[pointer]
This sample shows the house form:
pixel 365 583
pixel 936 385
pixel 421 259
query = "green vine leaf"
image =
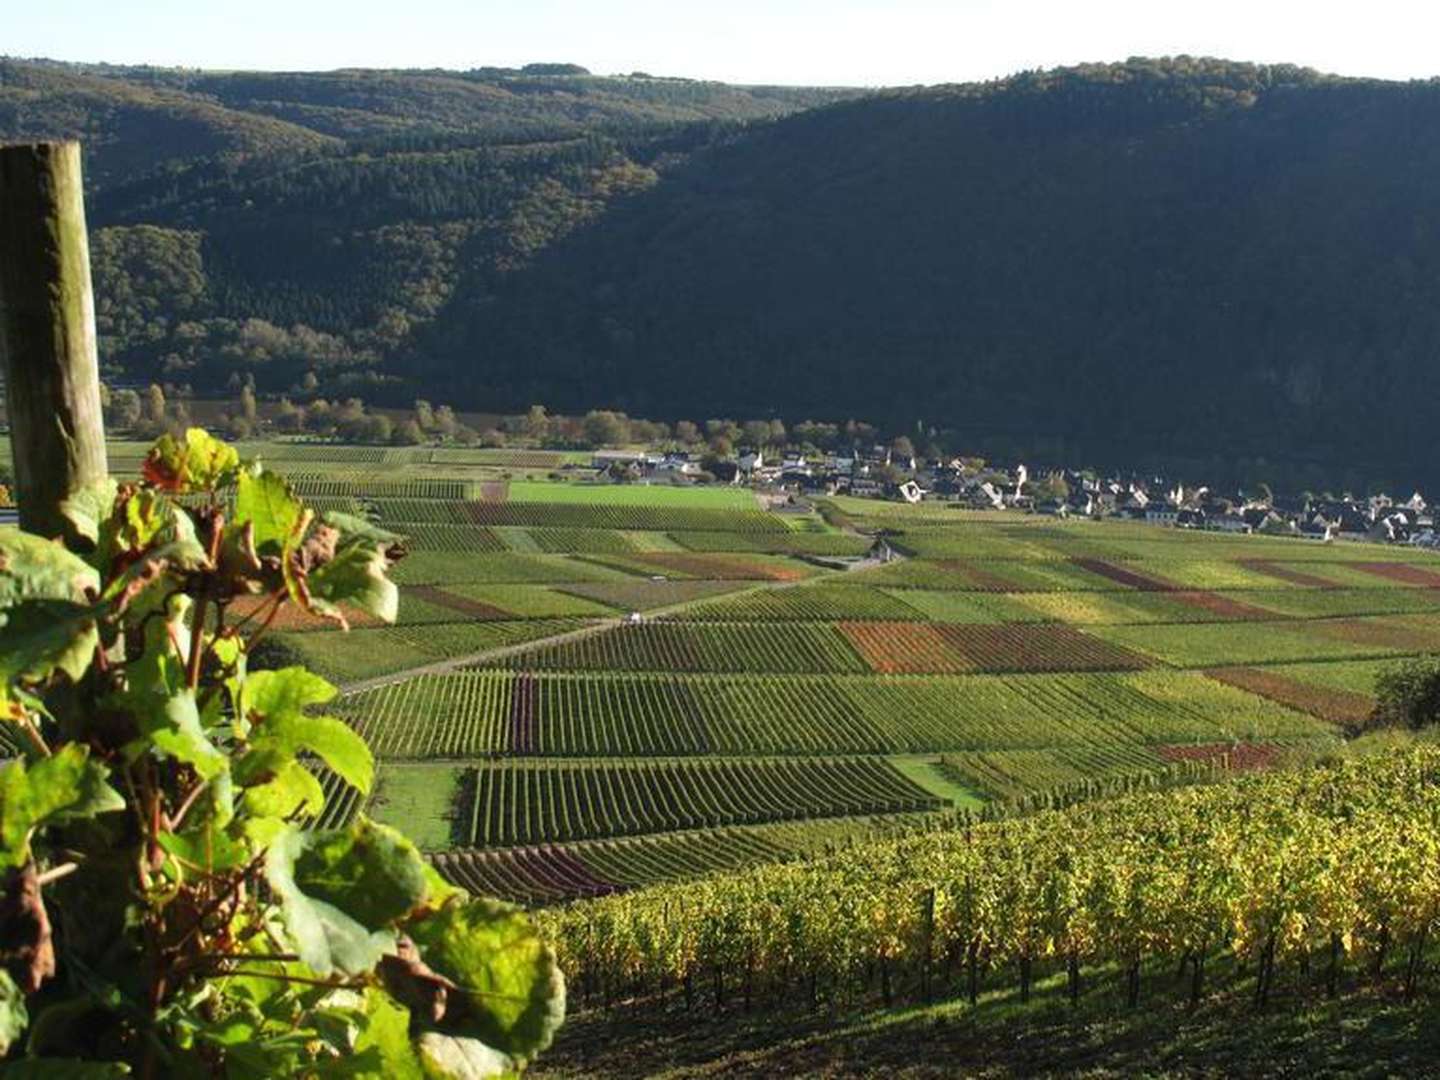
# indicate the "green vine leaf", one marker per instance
pixel 89 510
pixel 265 502
pixel 13 1016
pixel 273 704
pixel 511 992
pixel 452 1058
pixel 174 728
pixel 67 784
pixel 341 892
pixel 283 791
pixel 355 577
pixel 199 462
pixel 40 637
pixel 47 616
pixel 32 568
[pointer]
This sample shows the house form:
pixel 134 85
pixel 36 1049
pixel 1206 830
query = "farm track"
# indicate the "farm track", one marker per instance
pixel 485 656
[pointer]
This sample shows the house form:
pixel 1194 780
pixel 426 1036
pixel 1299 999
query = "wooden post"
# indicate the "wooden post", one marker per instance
pixel 47 331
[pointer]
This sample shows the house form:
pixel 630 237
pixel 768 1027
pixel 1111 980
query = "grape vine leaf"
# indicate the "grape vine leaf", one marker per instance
pixel 88 509
pixel 341 891
pixel 355 576
pixel 265 501
pixel 511 992
pixel 13 1017
pixel 273 704
pixel 462 1059
pixel 67 784
pixel 199 462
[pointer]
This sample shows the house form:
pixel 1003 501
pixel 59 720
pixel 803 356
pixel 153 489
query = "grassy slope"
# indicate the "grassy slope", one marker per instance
pixel 708 498
pixel 1368 1032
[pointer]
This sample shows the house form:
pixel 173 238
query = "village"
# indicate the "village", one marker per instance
pixel 880 472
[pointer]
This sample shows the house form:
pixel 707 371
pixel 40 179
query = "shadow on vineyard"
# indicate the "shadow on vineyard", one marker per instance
pixel 1369 1030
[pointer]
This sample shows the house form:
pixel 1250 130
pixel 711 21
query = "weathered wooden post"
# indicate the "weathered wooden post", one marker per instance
pixel 47 331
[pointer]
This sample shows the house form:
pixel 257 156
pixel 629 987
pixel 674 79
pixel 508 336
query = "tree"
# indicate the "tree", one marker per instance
pixel 606 428
pixel 721 446
pixel 154 405
pixel 446 425
pixel 248 408
pixel 1408 695
pixel 756 433
pixel 289 417
pixel 687 432
pixel 901 446
pixel 424 415
pixel 407 433
pixel 536 423
pixel 125 409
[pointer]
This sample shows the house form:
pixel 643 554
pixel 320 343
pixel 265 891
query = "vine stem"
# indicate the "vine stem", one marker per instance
pixel 33 734
pixel 55 873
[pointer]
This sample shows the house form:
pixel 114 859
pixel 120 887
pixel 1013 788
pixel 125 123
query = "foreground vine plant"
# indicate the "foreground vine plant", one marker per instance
pixel 165 910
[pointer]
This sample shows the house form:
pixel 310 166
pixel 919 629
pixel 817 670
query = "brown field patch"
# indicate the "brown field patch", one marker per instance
pixel 1377 633
pixel 1123 576
pixel 462 605
pixel 1403 573
pixel 981 579
pixel 720 566
pixel 1236 756
pixel 292 617
pixel 1223 606
pixel 905 648
pixel 1287 574
pixel 954 648
pixel 1344 707
pixel 495 490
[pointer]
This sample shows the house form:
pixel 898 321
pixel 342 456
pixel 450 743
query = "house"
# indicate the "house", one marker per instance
pixel 1054 507
pixel 1161 513
pixel 603 459
pixel 1393 528
pixel 726 472
pixel 866 486
pixel 1187 518
pixel 881 551
pixel 1318 529
pixel 984 496
pixel 910 491
pixel 1230 523
pixel 750 460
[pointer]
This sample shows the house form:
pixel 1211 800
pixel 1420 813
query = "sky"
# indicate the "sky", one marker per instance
pixel 814 42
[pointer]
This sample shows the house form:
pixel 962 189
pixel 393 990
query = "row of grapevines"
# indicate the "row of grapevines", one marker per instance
pixel 529 803
pixel 1338 860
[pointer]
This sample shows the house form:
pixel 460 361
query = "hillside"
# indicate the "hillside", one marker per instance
pixel 1200 257
pixel 1206 260
pixel 278 223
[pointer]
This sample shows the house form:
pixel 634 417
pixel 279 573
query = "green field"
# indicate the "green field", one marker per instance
pixel 705 498
pixel 1002 661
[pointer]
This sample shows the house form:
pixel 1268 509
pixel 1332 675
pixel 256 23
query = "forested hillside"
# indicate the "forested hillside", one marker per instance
pixel 283 224
pixel 1202 257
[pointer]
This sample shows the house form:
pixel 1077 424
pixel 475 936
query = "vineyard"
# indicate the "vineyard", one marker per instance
pixel 471 713
pixel 775 705
pixel 1314 875
pixel 516 803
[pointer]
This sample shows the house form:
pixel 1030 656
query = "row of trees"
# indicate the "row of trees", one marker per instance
pixel 605 427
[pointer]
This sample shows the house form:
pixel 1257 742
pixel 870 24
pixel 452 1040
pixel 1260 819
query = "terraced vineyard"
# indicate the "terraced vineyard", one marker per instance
pixel 526 803
pixel 547 745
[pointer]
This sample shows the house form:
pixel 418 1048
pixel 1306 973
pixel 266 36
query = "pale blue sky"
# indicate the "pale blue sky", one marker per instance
pixel 851 42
